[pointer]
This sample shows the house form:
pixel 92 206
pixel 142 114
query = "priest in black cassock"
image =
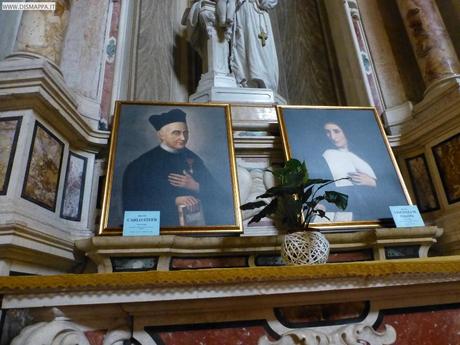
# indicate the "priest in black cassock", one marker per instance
pixel 170 176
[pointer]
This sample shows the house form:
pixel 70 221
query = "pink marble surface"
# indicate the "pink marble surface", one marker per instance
pixel 318 313
pixel 223 336
pixel 95 337
pixel 194 263
pixel 358 255
pixel 431 42
pixel 441 327
pixel 110 66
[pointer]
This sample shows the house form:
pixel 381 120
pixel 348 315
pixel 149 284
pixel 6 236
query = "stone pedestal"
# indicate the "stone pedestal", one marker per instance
pixel 218 84
pixel 236 95
pixel 435 120
pixel 36 232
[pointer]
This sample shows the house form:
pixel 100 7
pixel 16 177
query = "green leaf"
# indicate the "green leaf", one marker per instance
pixel 316 181
pixel 295 196
pixel 321 213
pixel 339 199
pixel 307 193
pixel 305 172
pixel 279 191
pixel 318 199
pixel 252 205
pixel 293 173
pixel 270 209
pixel 290 211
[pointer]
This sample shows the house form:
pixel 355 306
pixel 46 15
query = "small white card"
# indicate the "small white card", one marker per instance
pixel 406 216
pixel 141 223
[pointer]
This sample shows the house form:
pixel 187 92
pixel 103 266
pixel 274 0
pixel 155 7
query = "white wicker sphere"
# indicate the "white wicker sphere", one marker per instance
pixel 305 248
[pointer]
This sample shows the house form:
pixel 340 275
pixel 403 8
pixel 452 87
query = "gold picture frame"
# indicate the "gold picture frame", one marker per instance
pixel 137 181
pixel 375 180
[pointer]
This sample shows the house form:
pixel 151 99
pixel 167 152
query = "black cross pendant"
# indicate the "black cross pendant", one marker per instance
pixel 263 37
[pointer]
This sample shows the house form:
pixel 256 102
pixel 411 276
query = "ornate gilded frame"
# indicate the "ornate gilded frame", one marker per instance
pixel 106 228
pixel 308 136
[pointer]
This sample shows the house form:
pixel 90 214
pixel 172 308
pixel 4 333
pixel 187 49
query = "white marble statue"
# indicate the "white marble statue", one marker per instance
pixel 253 58
pixel 245 24
pixel 252 183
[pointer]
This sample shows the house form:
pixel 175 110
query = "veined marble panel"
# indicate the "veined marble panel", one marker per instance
pixel 424 325
pixel 450 12
pixel 410 75
pixel 83 47
pixel 305 74
pixel 159 52
pixel 10 24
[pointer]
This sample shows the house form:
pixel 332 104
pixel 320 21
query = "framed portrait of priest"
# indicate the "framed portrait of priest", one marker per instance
pixel 175 158
pixel 347 144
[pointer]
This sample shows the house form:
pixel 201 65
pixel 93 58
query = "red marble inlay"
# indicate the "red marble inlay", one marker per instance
pixel 223 336
pixel 109 67
pixel 216 262
pixel 320 313
pixel 96 337
pixel 440 327
pixel 359 255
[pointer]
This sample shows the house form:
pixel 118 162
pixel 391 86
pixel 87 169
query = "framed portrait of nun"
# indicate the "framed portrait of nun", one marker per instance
pixel 346 144
pixel 175 158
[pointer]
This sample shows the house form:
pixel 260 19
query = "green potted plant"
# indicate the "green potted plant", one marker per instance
pixel 294 203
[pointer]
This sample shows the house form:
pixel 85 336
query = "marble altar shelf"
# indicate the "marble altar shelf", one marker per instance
pixel 127 287
pixel 369 244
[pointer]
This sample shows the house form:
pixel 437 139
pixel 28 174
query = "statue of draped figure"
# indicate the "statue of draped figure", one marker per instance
pixel 250 52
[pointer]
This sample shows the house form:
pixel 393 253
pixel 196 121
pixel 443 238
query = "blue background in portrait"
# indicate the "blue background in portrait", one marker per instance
pixel 307 140
pixel 208 139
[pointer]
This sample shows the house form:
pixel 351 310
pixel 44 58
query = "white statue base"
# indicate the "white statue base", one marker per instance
pixel 211 41
pixel 236 95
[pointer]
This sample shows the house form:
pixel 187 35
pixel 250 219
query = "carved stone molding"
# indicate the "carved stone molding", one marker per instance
pixel 58 332
pixel 116 337
pixel 101 249
pixel 349 335
pixel 31 82
pixel 62 331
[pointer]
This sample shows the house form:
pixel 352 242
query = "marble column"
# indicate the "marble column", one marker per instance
pixel 430 41
pixel 397 108
pixel 42 32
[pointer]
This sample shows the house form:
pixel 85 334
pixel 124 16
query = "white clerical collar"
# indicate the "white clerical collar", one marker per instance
pixel 169 149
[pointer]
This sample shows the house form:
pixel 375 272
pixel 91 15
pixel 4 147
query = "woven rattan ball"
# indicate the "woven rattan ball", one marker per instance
pixel 304 248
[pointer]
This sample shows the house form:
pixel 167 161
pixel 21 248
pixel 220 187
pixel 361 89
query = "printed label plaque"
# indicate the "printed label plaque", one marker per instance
pixel 141 223
pixel 406 216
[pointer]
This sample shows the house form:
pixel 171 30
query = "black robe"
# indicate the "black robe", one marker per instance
pixel 367 203
pixel 146 187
